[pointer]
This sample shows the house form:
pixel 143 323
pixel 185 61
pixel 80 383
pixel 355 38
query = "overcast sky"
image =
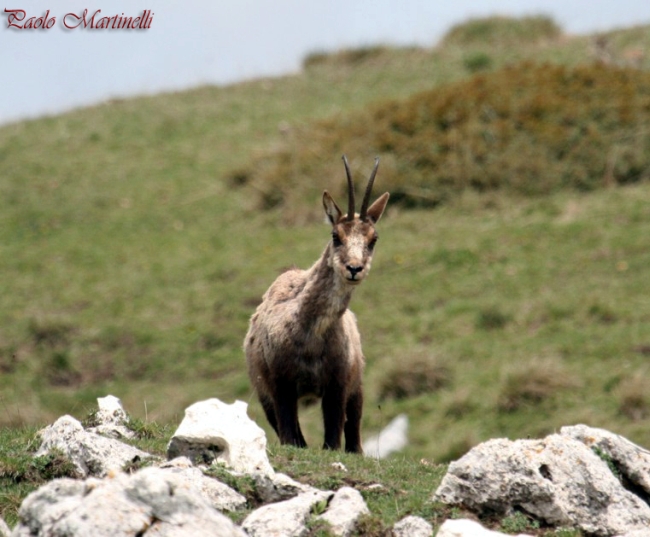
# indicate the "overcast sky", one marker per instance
pixel 194 42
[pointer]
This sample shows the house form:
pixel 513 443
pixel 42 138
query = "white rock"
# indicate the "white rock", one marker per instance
pixel 4 529
pixel 278 487
pixel 339 466
pixel 110 410
pixel 219 495
pixel 152 500
pixel 343 511
pixel 213 431
pixel 468 528
pixel 412 526
pixel 284 519
pixel 392 438
pixel 631 460
pixel 558 480
pixel 111 418
pixel 91 454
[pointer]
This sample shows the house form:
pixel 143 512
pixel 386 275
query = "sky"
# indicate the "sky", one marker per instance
pixel 195 42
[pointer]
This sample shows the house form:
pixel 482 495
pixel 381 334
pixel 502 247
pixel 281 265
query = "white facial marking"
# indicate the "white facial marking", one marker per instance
pixel 356 250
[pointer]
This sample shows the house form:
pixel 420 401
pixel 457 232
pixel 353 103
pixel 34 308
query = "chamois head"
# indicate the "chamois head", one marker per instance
pixel 354 235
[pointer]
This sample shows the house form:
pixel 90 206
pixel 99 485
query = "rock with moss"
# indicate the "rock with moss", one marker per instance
pixel 110 419
pixel 151 501
pixel 92 454
pixel 632 462
pixel 557 480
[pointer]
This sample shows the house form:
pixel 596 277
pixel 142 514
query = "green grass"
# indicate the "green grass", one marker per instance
pixel 130 265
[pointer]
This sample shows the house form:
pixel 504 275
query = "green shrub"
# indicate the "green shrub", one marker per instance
pixel 349 57
pixel 491 318
pixel 519 522
pixel 477 61
pixel 529 129
pixel 499 30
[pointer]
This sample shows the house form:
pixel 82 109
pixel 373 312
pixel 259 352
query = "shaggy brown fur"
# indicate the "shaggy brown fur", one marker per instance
pixel 303 340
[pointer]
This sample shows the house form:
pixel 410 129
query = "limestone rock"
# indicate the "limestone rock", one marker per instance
pixel 215 431
pixel 468 528
pixel 4 529
pixel 284 519
pixel 152 500
pixel 391 439
pixel 278 487
pixel 631 460
pixel 412 526
pixel 219 495
pixel 91 454
pixel 111 419
pixel 558 480
pixel 343 511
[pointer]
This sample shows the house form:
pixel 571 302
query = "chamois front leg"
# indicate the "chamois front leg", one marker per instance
pixel 269 410
pixel 353 411
pixel 286 412
pixel 333 406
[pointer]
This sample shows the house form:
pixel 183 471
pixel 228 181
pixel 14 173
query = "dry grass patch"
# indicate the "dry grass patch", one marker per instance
pixel 634 397
pixel 416 374
pixel 533 382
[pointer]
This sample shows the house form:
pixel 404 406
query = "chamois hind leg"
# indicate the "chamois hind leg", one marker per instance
pixel 333 415
pixel 286 411
pixel 353 411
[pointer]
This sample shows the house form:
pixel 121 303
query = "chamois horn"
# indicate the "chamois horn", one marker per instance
pixel 366 197
pixel 350 190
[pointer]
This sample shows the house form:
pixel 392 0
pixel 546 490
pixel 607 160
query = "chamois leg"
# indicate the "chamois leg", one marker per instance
pixel 333 416
pixel 269 410
pixel 286 411
pixel 353 411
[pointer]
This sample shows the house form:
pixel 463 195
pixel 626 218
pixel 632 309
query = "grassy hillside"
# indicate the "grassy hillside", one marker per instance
pixel 131 262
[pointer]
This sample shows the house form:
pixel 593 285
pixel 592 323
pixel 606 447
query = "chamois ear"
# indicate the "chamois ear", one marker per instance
pixel 377 208
pixel 331 208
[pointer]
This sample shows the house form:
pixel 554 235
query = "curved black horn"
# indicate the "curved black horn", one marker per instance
pixel 350 190
pixel 366 196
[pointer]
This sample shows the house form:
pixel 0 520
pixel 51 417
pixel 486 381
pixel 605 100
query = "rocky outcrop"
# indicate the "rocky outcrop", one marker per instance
pixel 559 480
pixel 176 497
pixel 585 478
pixel 150 502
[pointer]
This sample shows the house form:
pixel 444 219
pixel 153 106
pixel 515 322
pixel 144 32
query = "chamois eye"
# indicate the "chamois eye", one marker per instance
pixel 372 243
pixel 336 240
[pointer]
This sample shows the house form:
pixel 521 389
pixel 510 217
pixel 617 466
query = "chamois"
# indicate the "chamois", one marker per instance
pixel 303 341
